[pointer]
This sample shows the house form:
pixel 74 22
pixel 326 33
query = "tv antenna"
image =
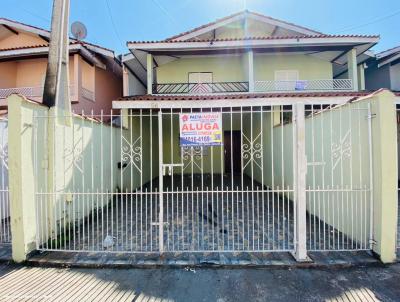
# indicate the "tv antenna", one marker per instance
pixel 78 30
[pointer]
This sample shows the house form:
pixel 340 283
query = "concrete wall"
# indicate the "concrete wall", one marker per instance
pixel 338 157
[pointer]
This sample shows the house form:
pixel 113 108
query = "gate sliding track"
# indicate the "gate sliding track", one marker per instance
pixel 132 187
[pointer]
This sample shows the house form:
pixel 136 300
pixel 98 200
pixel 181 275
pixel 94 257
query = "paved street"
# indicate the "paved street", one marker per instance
pixel 51 284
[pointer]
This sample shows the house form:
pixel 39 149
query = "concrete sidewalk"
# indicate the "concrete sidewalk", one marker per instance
pixel 19 283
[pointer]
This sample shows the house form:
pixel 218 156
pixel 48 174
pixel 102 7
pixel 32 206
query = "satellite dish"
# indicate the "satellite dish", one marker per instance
pixel 78 30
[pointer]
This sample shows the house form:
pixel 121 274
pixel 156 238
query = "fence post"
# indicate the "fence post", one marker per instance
pixel 300 169
pixel 22 176
pixel 384 169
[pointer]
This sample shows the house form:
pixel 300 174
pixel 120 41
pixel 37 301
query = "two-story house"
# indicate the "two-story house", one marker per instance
pixel 247 52
pixel 211 115
pixel 95 73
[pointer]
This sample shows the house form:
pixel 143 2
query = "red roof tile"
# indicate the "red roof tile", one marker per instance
pixel 227 96
pixel 23 47
pixel 73 40
pixel 258 38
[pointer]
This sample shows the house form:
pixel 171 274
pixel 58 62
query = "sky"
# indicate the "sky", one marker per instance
pixel 111 23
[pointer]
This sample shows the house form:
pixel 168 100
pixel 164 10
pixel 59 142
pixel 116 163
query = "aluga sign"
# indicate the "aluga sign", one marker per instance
pixel 200 129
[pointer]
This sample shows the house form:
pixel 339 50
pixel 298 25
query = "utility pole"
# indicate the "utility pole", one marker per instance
pixel 56 87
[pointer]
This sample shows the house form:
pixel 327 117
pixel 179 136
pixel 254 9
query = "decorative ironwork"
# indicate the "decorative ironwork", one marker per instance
pixel 201 88
pixel 251 150
pixel 304 85
pixel 341 150
pixel 131 154
pixel 4 155
pixel 192 155
pixel 77 155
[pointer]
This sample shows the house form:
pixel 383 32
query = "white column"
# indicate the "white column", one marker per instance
pixel 352 67
pixel 125 81
pixel 250 69
pixel 361 77
pixel 300 165
pixel 149 73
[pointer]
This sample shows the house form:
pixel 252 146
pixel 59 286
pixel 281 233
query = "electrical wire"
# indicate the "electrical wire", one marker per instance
pixel 376 20
pixel 113 23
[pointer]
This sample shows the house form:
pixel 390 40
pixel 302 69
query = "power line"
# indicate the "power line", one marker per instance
pixel 165 11
pixel 113 24
pixel 376 20
pixel 30 12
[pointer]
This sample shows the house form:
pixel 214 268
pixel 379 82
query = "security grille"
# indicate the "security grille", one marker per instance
pixel 129 184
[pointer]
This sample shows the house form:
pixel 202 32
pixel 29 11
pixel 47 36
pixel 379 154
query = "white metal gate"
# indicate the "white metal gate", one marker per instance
pixel 125 184
pixel 5 228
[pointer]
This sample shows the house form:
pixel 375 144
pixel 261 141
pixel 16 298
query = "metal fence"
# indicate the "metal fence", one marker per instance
pixel 398 182
pixel 128 185
pixel 5 229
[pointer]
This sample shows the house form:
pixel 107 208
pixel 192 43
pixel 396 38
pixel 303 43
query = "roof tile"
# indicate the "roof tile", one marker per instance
pixel 258 38
pixel 206 97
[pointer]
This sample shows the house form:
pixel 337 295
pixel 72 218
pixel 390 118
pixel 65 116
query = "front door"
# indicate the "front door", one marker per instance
pixel 232 151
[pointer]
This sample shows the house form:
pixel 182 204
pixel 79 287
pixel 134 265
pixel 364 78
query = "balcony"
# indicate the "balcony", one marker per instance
pixel 304 85
pixel 201 88
pixel 259 86
pixel 37 92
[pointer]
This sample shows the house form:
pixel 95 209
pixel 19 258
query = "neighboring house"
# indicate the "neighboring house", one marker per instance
pixel 247 52
pixel 95 73
pixel 383 70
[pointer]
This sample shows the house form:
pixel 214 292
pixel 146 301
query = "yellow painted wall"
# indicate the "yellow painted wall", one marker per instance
pixel 309 67
pixel 223 68
pixel 331 170
pixel 234 68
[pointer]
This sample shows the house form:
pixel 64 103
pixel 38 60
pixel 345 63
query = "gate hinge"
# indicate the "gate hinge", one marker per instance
pixel 371 116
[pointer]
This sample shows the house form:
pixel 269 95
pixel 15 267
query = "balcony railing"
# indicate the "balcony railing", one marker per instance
pixel 201 88
pixel 304 85
pixel 37 92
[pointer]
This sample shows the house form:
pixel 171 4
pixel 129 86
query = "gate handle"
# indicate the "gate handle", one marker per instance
pixel 170 167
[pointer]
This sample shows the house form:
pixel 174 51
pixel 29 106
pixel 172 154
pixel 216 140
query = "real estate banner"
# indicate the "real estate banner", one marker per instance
pixel 200 129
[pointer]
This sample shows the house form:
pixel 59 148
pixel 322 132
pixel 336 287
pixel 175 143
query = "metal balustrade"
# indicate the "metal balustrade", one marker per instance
pixel 200 88
pixel 259 86
pixel 37 92
pixel 304 85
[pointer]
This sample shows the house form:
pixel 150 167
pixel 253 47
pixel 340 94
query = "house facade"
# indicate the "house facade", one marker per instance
pixel 245 135
pixel 248 52
pixel 94 72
